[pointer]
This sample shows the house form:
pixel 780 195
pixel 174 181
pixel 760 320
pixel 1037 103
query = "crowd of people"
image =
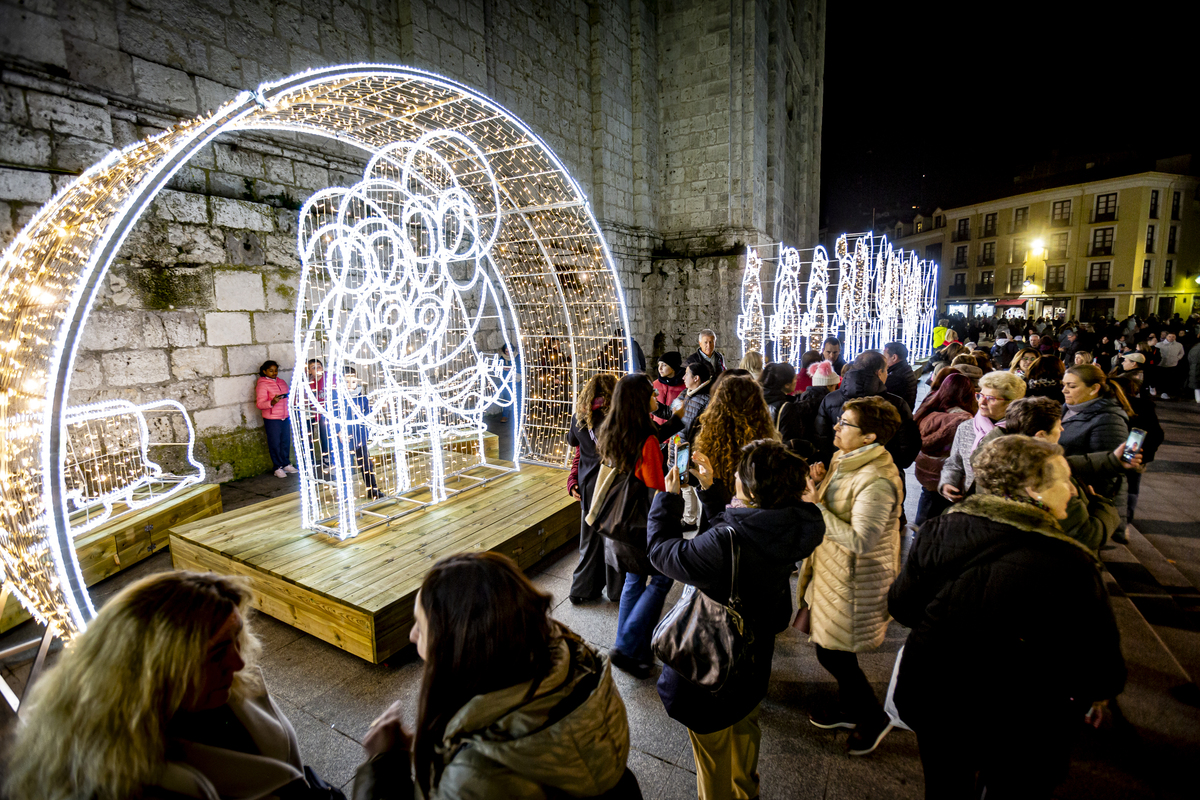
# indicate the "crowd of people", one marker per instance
pixel 732 481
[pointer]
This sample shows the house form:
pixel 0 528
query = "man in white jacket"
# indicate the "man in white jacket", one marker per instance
pixel 1172 357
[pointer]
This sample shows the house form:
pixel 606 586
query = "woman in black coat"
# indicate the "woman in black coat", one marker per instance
pixel 1012 640
pixel 591 574
pixel 773 529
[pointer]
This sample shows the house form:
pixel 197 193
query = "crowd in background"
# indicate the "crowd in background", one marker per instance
pixel 776 495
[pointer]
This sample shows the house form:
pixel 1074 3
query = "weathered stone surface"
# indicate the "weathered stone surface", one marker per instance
pixel 285 354
pixel 69 117
pixel 197 362
pixel 271 327
pixel 24 186
pixel 239 291
pixel 21 145
pixel 244 249
pixel 181 207
pixel 170 87
pixel 240 215
pixel 234 391
pixel 245 359
pixel 32 36
pixel 222 418
pixel 183 328
pixel 108 330
pixel 227 327
pixel 135 367
pixel 100 66
pixel 87 374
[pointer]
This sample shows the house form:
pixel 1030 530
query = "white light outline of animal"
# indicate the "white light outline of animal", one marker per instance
pixel 359 242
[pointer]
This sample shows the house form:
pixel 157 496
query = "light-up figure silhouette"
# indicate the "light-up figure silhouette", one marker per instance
pixel 751 325
pixel 398 286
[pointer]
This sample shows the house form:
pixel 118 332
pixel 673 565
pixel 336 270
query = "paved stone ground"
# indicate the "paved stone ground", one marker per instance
pixel 331 697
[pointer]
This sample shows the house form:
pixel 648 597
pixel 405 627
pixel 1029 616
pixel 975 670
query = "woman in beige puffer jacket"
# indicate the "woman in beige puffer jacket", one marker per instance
pixel 845 581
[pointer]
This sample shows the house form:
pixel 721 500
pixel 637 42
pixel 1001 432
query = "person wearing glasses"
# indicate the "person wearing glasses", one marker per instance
pixel 845 582
pixel 996 391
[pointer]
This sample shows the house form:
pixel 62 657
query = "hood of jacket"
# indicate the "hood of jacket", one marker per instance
pixel 1021 516
pixel 761 526
pixel 861 383
pixel 572 734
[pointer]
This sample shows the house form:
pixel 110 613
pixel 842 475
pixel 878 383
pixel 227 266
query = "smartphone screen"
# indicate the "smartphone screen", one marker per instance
pixel 683 458
pixel 1133 445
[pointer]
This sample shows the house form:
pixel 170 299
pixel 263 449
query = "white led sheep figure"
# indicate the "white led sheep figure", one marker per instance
pixel 397 283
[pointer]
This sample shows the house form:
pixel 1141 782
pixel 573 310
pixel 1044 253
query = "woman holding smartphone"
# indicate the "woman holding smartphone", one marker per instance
pixel 270 395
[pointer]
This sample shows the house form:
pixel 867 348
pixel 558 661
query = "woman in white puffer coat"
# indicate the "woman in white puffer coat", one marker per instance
pixel 845 582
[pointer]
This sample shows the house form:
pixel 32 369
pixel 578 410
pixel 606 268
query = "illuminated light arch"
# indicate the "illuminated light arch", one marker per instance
pixel 556 273
pixel 814 325
pixel 751 324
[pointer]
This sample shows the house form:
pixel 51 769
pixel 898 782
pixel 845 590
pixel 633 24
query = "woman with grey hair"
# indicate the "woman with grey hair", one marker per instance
pixel 1008 614
pixel 996 391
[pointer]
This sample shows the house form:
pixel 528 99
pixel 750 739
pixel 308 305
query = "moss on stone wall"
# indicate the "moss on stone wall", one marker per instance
pixel 161 287
pixel 245 451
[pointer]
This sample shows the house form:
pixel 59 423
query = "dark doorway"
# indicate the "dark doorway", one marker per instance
pixel 1141 307
pixel 1096 309
pixel 1166 307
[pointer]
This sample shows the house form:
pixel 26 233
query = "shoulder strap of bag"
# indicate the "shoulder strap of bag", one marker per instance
pixel 735 599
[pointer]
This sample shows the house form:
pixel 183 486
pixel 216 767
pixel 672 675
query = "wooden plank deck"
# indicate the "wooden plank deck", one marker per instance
pixel 122 542
pixel 358 594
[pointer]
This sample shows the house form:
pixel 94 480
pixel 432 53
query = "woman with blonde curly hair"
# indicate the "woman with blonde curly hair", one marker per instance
pixel 160 696
pixel 590 409
pixel 736 415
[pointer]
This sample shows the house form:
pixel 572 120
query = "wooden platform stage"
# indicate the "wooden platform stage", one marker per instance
pixel 122 542
pixel 358 594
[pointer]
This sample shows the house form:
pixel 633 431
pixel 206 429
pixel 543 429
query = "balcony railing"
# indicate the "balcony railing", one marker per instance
pixel 957 290
pixel 1019 227
pixel 1059 253
pixel 1017 256
pixel 1061 222
pixel 1149 248
pixel 1100 250
pixel 986 260
pixel 960 236
pixel 1054 287
pixel 1098 284
pixel 987 232
pixel 960 263
pixel 1103 216
pixel 985 288
pixel 1153 212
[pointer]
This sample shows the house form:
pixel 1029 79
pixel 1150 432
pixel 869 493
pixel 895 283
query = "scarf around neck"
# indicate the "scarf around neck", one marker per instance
pixel 983 426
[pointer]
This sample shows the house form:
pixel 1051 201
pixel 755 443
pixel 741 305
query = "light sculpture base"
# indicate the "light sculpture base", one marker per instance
pixel 357 594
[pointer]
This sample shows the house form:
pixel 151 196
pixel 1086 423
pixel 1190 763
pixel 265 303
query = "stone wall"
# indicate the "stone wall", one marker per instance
pixel 693 127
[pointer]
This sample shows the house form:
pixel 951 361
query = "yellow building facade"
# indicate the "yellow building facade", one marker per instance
pixel 1114 247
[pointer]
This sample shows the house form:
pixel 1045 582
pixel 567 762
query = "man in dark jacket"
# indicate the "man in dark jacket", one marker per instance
pixel 707 353
pixel 901 380
pixel 831 351
pixel 866 379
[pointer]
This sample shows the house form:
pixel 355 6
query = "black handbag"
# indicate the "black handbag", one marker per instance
pixel 624 511
pixel 706 642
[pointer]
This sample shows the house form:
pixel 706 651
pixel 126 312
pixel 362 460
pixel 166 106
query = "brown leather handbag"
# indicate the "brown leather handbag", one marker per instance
pixel 707 642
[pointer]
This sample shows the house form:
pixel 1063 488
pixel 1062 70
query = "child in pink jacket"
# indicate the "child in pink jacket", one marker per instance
pixel 271 397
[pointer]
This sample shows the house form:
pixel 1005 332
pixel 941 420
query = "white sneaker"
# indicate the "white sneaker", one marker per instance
pixel 1164 396
pixel 290 470
pixel 279 473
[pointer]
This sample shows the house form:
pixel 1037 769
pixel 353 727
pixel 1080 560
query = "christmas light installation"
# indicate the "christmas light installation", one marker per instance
pixel 110 471
pixel 814 325
pixel 786 322
pixel 856 257
pixel 554 269
pixel 751 324
pixel 397 285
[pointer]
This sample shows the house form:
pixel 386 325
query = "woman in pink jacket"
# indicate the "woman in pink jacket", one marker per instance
pixel 270 395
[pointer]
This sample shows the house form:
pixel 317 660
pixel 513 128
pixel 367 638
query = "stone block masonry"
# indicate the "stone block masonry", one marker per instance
pixel 693 128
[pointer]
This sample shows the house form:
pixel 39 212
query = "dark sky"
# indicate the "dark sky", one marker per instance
pixel 940 103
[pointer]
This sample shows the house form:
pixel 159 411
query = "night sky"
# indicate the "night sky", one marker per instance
pixel 940 103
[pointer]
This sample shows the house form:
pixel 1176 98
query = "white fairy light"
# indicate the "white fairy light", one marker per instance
pixel 396 281
pixel 554 271
pixel 751 325
pixel 786 330
pixel 109 461
pixel 814 325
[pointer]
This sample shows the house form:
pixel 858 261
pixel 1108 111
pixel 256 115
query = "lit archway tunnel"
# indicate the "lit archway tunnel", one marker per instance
pixel 558 277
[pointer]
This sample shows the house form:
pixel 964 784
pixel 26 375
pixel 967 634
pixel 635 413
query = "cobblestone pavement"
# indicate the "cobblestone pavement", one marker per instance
pixel 332 697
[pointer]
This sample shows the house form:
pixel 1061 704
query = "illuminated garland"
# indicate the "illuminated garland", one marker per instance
pixel 787 320
pixel 555 274
pixel 751 325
